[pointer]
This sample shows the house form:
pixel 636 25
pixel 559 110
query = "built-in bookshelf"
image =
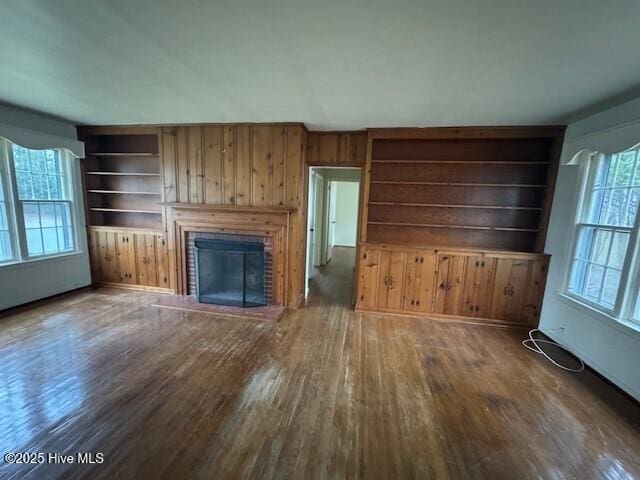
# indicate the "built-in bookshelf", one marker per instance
pixel 123 179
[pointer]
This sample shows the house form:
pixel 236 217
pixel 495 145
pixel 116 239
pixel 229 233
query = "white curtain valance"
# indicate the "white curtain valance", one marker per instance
pixel 612 140
pixel 40 141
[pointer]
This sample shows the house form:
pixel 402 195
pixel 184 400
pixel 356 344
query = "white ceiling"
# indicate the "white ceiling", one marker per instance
pixel 333 64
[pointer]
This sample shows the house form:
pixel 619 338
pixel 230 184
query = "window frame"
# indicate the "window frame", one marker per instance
pixel 628 293
pixel 15 212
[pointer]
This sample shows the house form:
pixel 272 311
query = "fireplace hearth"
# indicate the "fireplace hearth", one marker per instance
pixel 230 272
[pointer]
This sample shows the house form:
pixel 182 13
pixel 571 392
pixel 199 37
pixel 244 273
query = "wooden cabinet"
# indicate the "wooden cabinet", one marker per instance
pixel 124 257
pixel 419 281
pixel 495 286
pixel 449 282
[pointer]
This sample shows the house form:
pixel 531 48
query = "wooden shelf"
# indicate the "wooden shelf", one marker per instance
pixel 465 227
pixel 441 205
pixel 122 154
pixel 472 162
pixel 123 192
pixel 456 184
pixel 123 174
pixel 124 210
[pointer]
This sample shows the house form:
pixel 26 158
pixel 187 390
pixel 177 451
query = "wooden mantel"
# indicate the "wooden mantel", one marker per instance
pixel 229 208
pixel 273 222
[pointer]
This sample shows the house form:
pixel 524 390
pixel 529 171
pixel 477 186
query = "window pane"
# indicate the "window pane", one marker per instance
pixel 632 206
pixel 53 165
pixel 578 273
pixel 5 246
pixel 637 315
pixel 34 241
pixel 50 238
pixel 31 215
pixel 601 246
pixel 636 177
pixel 618 249
pixel 585 239
pixel 595 276
pixel 624 170
pixel 65 238
pixel 25 187
pixel 610 287
pixel 63 214
pixel 55 192
pixel 21 158
pixel 616 211
pixel 47 215
pixel 611 174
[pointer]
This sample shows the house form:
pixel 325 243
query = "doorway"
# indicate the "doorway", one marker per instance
pixel 333 202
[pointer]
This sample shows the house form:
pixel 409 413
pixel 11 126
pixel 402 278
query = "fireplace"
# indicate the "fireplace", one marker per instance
pixel 230 272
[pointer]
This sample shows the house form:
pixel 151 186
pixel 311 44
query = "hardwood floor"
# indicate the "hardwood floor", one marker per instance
pixel 322 393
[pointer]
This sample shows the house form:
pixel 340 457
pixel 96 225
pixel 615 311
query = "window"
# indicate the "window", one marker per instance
pixel 36 204
pixel 607 232
pixel 40 180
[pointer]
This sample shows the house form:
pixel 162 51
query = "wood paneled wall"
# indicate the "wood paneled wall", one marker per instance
pixel 242 165
pixel 337 148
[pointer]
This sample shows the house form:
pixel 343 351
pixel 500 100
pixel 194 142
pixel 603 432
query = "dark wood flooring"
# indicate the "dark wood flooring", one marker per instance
pixel 322 393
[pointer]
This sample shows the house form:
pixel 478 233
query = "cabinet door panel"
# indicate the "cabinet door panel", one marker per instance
pixel 518 285
pixel 383 279
pixel 126 258
pixel 476 298
pixel 368 281
pixel 499 298
pixel 442 277
pixel 396 280
pixel 94 256
pixel 535 292
pixel 419 282
pixel 109 257
pixel 454 293
pixel 449 284
pixel 162 261
pixel 145 254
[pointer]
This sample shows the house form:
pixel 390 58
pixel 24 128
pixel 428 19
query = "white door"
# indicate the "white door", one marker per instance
pixel 332 219
pixel 310 223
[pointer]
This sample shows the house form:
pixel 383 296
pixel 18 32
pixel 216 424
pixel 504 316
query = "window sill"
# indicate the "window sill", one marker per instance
pixel 623 326
pixel 38 261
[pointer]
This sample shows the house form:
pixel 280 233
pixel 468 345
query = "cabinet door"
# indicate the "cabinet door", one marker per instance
pixel 476 297
pixel 419 282
pixel 126 258
pixel 390 279
pixel 162 261
pixel 396 271
pixel 449 284
pixel 535 292
pixel 368 278
pixel 509 289
pixel 94 256
pixel 109 268
pixel 145 255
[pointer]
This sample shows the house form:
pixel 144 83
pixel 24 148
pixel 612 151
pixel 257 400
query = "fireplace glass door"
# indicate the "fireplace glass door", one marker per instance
pixel 230 272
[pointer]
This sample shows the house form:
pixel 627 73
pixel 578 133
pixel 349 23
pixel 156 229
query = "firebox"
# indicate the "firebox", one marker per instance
pixel 230 272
